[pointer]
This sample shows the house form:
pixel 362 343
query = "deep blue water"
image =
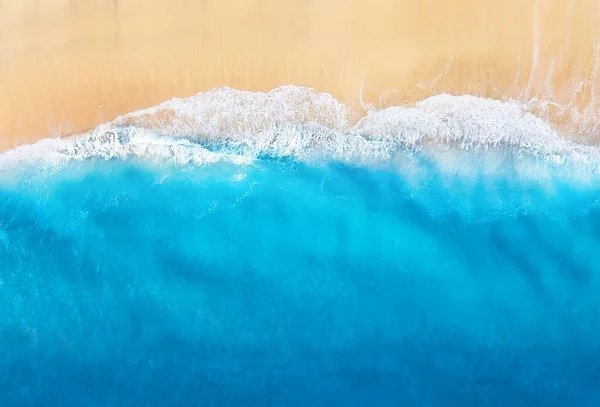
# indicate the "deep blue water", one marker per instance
pixel 125 283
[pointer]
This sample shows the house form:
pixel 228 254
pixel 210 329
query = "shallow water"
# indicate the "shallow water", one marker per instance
pixel 282 282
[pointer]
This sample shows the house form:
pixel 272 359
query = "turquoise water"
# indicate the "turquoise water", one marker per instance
pixel 132 282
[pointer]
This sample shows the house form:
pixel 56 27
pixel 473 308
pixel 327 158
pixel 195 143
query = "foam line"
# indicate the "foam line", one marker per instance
pixel 238 126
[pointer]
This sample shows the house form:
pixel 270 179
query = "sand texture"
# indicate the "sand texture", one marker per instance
pixel 68 65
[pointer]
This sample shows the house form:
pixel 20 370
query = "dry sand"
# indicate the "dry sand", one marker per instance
pixel 68 65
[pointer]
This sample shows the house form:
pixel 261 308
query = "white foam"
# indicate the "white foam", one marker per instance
pixel 237 126
pixel 50 155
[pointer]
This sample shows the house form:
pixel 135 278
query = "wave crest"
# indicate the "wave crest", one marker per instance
pixel 238 126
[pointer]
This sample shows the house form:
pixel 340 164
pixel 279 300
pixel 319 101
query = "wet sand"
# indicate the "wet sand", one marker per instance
pixel 68 65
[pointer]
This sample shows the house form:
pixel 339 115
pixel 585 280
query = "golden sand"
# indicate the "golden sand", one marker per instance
pixel 68 65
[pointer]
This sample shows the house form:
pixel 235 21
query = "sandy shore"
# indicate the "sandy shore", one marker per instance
pixel 68 65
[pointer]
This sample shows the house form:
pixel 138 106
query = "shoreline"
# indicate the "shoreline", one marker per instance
pixel 67 66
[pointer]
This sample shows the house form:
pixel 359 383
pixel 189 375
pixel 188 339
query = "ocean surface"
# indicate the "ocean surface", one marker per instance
pixel 245 249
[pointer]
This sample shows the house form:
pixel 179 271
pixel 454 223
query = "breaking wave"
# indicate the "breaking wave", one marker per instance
pixel 238 126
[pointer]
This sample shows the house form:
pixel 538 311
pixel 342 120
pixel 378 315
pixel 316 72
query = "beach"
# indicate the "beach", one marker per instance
pixel 68 65
pixel 299 203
